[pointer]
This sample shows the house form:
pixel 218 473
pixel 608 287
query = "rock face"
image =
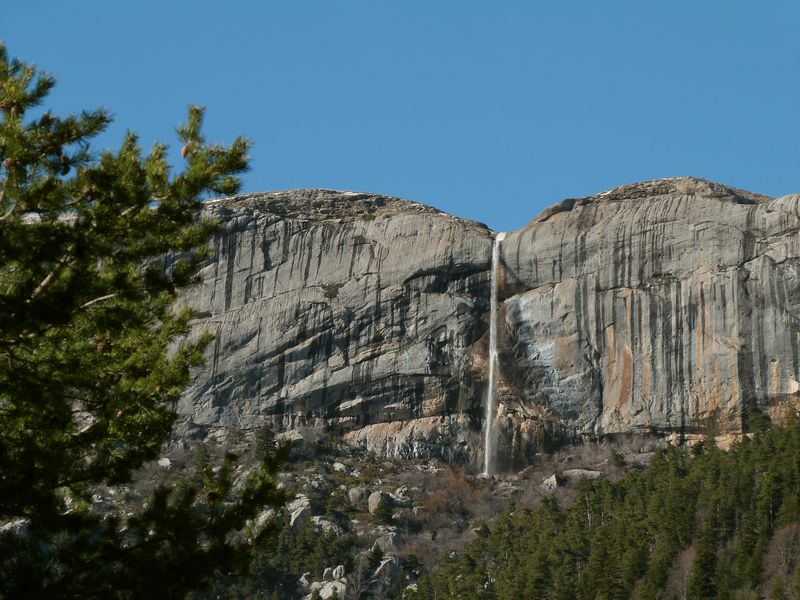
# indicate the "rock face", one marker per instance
pixel 667 305
pixel 670 306
pixel 347 309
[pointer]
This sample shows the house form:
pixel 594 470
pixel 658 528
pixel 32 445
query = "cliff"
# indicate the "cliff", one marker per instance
pixel 351 309
pixel 666 306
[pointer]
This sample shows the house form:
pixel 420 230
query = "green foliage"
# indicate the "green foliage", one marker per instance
pixel 383 512
pixel 411 564
pixel 755 420
pixel 93 250
pixel 288 553
pixel 778 593
pixel 617 459
pixel 623 539
pixel 374 558
pixel 704 577
pixel 265 443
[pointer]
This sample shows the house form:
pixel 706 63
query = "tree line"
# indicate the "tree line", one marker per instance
pixel 697 523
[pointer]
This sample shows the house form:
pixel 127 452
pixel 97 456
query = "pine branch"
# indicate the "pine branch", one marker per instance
pixel 96 300
pixel 11 205
pixel 48 281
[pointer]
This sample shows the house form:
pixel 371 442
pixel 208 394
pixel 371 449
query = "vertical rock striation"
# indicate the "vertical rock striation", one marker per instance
pixel 356 310
pixel 670 305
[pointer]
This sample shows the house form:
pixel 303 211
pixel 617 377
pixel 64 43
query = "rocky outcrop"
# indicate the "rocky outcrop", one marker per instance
pixel 668 306
pixel 348 309
pixel 671 305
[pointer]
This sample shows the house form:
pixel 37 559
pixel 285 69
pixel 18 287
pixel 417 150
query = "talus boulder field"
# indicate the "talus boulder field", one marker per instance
pixel 665 306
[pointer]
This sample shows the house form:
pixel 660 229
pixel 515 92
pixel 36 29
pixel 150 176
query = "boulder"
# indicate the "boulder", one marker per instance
pixel 388 569
pixel 327 588
pixel 374 500
pixel 18 527
pixel 355 495
pixel 389 542
pixel 325 525
pixel 299 509
pixel 641 458
pixel 293 436
pixel 400 501
pixel 550 483
pixel 262 520
pixel 578 474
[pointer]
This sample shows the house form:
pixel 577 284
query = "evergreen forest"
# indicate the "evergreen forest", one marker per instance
pixel 697 523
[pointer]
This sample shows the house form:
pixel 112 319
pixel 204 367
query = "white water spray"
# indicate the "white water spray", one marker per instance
pixel 487 444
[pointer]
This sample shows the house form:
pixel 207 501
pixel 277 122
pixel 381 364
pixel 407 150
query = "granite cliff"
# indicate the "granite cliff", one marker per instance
pixel 666 306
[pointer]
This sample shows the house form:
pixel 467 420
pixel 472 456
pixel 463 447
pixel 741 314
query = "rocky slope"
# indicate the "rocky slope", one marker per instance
pixel 670 305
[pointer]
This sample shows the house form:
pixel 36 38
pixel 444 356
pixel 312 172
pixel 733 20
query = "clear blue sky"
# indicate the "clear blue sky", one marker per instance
pixel 488 110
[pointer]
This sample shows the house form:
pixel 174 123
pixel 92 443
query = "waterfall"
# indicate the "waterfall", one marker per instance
pixel 487 452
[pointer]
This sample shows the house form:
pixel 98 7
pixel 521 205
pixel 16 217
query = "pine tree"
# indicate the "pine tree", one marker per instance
pixel 703 584
pixel 778 593
pixel 93 250
pixel 383 512
pixel 374 558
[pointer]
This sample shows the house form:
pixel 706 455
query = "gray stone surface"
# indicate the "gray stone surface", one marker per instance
pixel 355 495
pixel 345 308
pixel 400 500
pixel 388 542
pixel 578 474
pixel 326 526
pixel 666 306
pixel 262 520
pixel 374 501
pixel 18 527
pixel 670 305
pixel 387 570
pixel 642 458
pixel 550 483
pixel 326 589
pixel 299 509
